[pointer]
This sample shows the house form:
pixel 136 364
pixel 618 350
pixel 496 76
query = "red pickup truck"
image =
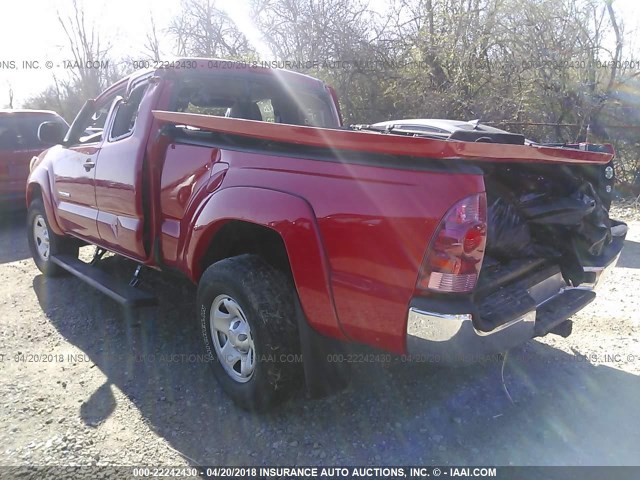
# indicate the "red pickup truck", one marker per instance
pixel 442 242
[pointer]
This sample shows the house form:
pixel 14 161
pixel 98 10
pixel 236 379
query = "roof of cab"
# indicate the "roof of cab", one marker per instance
pixel 180 67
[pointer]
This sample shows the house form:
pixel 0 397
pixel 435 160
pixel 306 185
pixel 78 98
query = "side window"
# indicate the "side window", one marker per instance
pixel 127 113
pixel 90 122
pixel 253 98
pixel 92 131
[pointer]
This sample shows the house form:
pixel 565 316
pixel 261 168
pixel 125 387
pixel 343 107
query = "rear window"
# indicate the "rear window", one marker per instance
pixel 254 98
pixel 20 131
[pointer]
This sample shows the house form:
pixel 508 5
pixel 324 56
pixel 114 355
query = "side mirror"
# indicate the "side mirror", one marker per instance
pixel 51 133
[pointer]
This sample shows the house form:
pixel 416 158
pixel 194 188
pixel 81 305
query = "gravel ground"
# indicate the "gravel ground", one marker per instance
pixel 81 384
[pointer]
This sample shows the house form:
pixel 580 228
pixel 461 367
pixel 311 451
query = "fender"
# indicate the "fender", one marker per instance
pixel 39 176
pixel 294 220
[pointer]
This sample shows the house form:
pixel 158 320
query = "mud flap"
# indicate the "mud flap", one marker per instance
pixel 322 377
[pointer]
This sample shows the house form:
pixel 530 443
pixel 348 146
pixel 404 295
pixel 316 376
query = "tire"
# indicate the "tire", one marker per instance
pixel 261 341
pixel 38 231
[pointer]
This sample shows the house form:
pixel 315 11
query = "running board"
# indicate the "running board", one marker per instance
pixel 122 293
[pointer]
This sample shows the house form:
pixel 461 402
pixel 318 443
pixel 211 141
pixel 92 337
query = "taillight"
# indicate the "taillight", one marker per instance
pixel 453 261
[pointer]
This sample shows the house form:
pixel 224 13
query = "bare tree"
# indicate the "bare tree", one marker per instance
pixel 203 29
pixel 88 51
pixel 313 29
pixel 340 41
pixel 89 66
pixel 613 72
pixel 61 97
pixel 548 68
pixel 152 45
pixel 10 88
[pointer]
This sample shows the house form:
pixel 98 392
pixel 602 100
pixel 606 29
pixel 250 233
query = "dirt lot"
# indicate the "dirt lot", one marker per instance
pixel 125 391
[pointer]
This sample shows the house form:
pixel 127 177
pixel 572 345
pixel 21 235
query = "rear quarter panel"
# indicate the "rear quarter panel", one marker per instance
pixel 373 226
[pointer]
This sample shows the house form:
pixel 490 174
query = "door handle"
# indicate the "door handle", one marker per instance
pixel 89 164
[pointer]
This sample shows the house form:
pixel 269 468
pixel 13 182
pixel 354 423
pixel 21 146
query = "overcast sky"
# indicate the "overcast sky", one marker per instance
pixel 30 31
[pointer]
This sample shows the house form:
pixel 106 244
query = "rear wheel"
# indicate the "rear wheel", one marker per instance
pixel 43 243
pixel 249 329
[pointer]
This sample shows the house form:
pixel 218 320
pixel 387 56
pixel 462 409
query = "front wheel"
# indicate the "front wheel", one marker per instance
pixel 248 324
pixel 43 243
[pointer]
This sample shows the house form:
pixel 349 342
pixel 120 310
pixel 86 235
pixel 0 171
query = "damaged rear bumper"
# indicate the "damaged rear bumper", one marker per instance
pixel 444 331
